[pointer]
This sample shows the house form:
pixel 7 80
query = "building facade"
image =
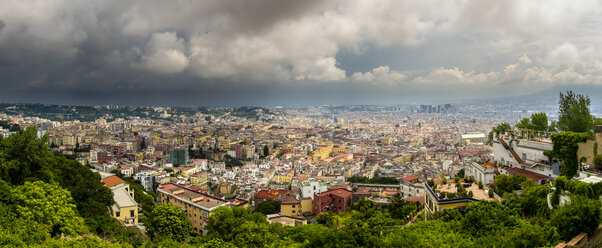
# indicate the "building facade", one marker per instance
pixel 195 204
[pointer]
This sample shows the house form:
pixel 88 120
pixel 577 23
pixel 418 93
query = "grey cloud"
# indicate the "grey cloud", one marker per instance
pixel 269 51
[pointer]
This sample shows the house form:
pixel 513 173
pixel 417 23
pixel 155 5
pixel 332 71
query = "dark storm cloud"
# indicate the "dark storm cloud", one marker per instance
pixel 273 52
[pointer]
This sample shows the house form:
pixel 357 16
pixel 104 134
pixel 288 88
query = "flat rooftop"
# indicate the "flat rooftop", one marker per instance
pixel 479 194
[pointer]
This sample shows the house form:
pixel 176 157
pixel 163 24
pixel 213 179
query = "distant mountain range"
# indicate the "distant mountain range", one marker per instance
pixel 551 95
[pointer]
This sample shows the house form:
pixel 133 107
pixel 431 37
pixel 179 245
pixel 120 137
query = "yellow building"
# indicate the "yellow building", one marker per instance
pixel 125 208
pixel 69 140
pixel 338 150
pixel 225 188
pixel 587 149
pixel 322 153
pixel 286 178
pixel 186 171
pixel 307 205
pixel 140 156
pixel 387 140
pixel 199 179
pixel 403 158
pixel 290 207
pixel 434 202
pixel 197 205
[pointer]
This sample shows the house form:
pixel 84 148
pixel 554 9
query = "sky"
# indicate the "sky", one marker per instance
pixel 279 52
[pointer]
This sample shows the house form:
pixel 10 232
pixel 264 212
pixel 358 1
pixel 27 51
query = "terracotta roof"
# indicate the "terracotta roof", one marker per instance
pixel 536 177
pixel 271 194
pixel 290 200
pixel 419 199
pixel 362 191
pixel 340 192
pixel 112 181
pixel 410 178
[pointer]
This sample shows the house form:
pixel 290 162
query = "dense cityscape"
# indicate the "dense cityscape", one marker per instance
pixel 294 166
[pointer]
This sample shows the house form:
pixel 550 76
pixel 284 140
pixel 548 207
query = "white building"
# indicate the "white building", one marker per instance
pixel 484 173
pixel 411 189
pixel 312 186
pixel 526 157
pixel 126 170
pixel 147 179
pixel 474 138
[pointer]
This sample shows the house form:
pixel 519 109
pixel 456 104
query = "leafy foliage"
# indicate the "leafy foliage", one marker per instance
pixel 49 205
pixel 580 215
pixel 499 129
pixel 508 184
pixel 565 148
pixel 574 115
pixel 168 221
pixel 269 207
pixel 25 158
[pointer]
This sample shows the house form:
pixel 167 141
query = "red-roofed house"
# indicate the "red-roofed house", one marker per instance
pixel 336 200
pixel 536 177
pixel 112 181
pixel 272 194
pixel 411 179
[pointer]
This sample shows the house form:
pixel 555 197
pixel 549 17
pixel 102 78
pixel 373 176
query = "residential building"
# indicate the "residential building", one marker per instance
pixel 410 186
pixel 125 208
pixel 437 199
pixel 196 204
pixel 270 195
pixel 312 186
pixel 484 173
pixel 591 147
pixel 335 200
pixel 291 206
pixel 525 157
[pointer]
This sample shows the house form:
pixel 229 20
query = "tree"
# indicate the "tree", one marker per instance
pixel 268 207
pixel 361 206
pixel 565 148
pixel 168 221
pixel 500 129
pixel 504 183
pixel 461 173
pixel 580 215
pixel 227 223
pixel 525 123
pixel 574 112
pixel 15 128
pixel 539 121
pixel 49 204
pixel 485 217
pixel 451 214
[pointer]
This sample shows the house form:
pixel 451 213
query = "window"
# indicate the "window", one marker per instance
pixel 117 214
pixel 132 213
pixel 293 206
pixel 293 211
